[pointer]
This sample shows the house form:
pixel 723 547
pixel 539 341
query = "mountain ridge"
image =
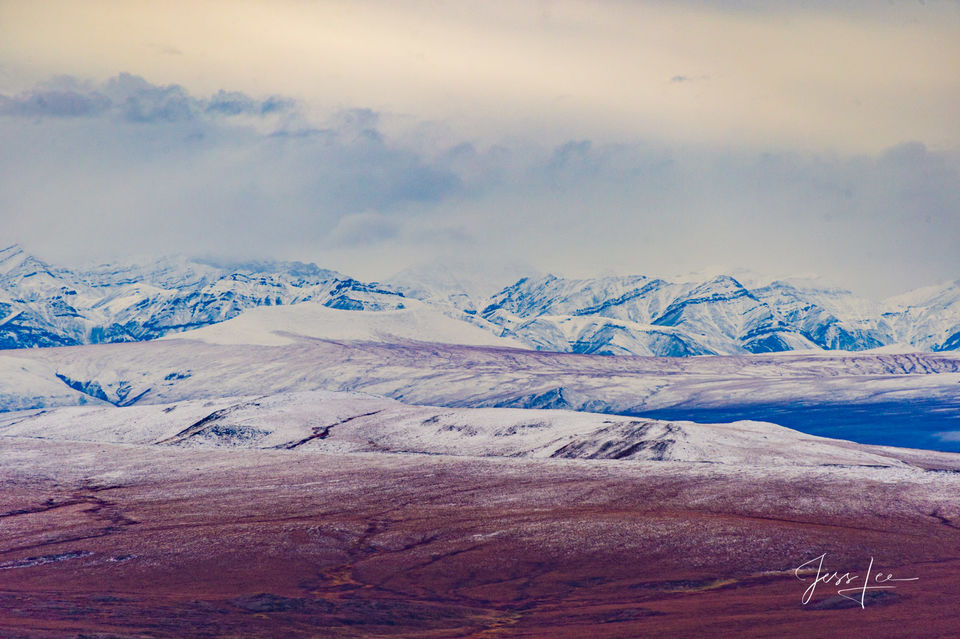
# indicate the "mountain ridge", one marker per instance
pixel 42 305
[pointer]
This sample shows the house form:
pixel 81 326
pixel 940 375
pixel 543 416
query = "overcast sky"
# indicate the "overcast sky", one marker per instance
pixel 581 137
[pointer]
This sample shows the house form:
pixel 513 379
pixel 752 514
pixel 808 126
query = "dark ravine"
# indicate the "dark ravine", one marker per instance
pixel 322 432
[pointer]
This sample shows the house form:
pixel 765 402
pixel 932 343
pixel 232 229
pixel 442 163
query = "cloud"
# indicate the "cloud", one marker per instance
pixel 53 103
pixel 132 98
pixel 165 49
pixel 359 229
pixel 236 103
pixel 684 79
pixel 159 169
pixel 855 76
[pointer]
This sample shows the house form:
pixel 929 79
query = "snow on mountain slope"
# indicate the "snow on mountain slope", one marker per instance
pixel 45 306
pixel 171 370
pixel 354 422
pixel 39 304
pixel 22 327
pixel 892 399
pixel 151 314
pixel 164 272
pixel 727 318
pixel 634 298
pixel 833 319
pixel 597 335
pixel 32 278
pixel 30 384
pixel 413 320
pixel 547 312
pixel 719 316
pixel 928 318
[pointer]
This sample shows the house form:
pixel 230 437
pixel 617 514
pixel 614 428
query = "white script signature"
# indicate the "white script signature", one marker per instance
pixel 856 593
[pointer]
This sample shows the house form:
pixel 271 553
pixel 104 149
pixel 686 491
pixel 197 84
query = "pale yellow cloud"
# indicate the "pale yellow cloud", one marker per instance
pixel 813 79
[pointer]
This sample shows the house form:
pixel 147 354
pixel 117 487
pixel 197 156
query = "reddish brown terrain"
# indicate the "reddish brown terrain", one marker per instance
pixel 107 540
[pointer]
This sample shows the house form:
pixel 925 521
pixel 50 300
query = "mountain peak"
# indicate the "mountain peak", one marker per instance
pixel 726 280
pixel 720 285
pixel 10 253
pixel 294 268
pixel 14 259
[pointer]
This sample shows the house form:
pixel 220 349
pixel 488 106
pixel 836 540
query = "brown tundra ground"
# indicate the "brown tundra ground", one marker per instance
pixel 109 541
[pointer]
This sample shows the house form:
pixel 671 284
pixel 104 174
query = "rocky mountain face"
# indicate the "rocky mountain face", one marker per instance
pixel 654 317
pixel 43 305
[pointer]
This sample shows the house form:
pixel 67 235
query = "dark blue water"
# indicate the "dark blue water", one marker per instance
pixel 913 424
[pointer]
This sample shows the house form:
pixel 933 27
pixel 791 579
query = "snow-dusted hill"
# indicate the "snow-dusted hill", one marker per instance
pixel 41 305
pixel 411 320
pixel 896 399
pixel 353 422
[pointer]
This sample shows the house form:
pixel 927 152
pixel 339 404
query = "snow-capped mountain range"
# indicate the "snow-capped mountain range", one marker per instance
pixel 43 305
pixel 46 306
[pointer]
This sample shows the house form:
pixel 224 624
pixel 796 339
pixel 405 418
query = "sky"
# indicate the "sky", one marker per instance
pixel 579 137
